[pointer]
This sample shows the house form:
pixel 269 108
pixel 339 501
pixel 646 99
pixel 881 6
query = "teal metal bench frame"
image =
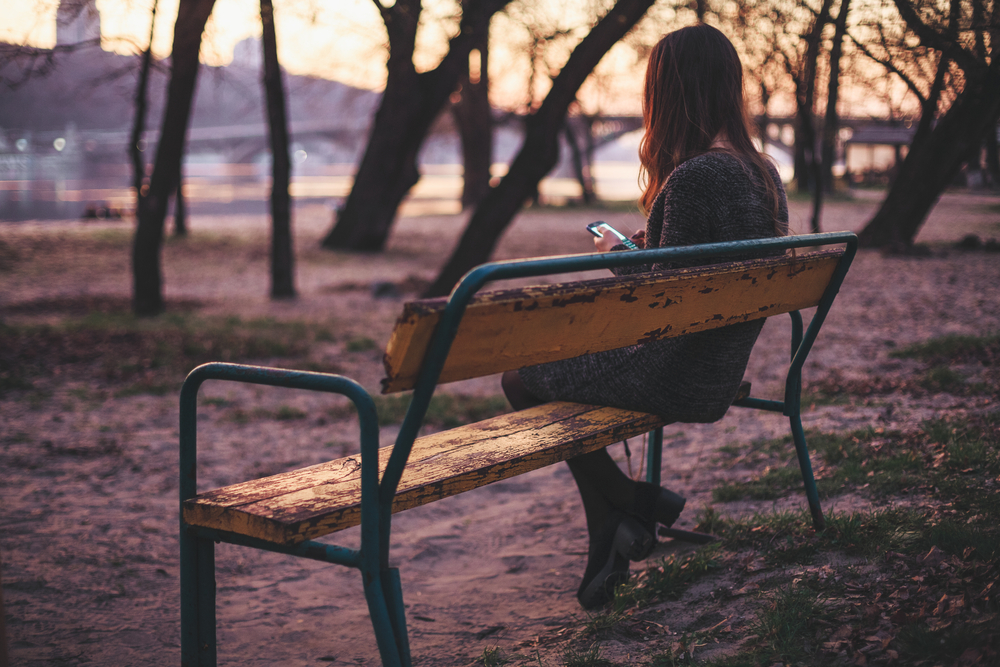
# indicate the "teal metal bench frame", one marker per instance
pixel 382 587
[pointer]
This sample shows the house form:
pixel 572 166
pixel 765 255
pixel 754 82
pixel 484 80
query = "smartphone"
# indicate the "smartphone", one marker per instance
pixel 598 228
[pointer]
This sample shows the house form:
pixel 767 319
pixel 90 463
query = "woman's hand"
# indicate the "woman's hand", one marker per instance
pixel 607 242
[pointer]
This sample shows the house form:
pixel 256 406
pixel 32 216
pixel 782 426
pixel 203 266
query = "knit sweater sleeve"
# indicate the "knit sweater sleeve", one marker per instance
pixel 707 199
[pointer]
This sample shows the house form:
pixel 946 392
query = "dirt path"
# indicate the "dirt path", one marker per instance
pixel 88 504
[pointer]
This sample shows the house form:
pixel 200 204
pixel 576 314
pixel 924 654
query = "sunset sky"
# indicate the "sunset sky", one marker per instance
pixel 343 40
pixel 335 39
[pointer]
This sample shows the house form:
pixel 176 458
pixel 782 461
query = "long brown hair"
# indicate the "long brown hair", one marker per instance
pixel 692 96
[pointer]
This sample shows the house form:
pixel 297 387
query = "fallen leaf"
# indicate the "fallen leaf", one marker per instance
pixel 933 557
pixel 749 588
pixel 950 605
pixel 901 594
pixel 970 656
pixel 938 623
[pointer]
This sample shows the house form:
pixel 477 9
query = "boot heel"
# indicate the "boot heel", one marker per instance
pixel 633 541
pixel 654 504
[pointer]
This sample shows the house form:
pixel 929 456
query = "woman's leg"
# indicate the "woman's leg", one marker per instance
pixel 517 394
pixel 603 486
pixel 608 496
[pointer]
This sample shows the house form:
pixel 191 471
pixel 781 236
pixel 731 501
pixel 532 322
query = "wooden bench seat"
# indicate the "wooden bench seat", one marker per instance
pixel 303 504
pixel 290 507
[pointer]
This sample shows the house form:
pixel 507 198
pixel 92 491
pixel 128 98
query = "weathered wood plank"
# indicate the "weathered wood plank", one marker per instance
pixel 315 501
pixel 349 468
pixel 510 329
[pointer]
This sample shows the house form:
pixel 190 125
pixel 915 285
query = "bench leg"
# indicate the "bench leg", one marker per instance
pixel 654 456
pixel 198 642
pixel 812 495
pixel 392 588
pixel 385 608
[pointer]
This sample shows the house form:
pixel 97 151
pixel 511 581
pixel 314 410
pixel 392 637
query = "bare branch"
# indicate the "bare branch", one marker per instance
pixel 947 42
pixel 890 66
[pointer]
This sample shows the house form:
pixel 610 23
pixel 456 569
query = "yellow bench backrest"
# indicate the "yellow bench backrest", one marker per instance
pixel 509 329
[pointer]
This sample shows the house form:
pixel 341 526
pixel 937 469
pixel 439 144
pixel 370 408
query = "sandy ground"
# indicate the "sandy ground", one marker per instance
pixel 88 498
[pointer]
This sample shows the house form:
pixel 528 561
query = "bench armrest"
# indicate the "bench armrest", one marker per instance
pixel 292 379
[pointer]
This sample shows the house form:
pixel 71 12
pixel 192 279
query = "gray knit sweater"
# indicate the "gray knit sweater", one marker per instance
pixel 714 197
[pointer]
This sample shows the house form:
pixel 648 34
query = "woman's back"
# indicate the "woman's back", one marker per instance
pixel 714 197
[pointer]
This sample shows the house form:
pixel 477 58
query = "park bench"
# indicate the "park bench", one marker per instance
pixel 474 334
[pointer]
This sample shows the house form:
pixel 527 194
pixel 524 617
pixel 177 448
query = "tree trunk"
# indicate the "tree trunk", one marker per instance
pixel 581 168
pixel 282 260
pixel 700 8
pixel 992 155
pixel 763 120
pixel 932 163
pixel 474 118
pixel 409 105
pixel 805 90
pixel 540 150
pixel 147 297
pixel 139 122
pixel 180 204
pixel 831 124
pixel 929 105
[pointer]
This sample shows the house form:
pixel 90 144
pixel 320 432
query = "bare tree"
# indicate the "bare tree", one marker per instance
pixel 967 67
pixel 540 150
pixel 141 102
pixel 831 124
pixel 822 160
pixel 807 168
pixel 147 295
pixel 139 127
pixel 409 106
pixel 282 255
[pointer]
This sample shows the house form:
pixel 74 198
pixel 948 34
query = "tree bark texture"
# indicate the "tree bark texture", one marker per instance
pixel 540 150
pixel 932 164
pixel 141 100
pixel 472 113
pixel 409 105
pixel 282 259
pixel 147 295
pixel 180 204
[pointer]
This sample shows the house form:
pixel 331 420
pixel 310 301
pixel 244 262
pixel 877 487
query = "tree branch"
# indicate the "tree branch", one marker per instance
pixel 888 65
pixel 947 45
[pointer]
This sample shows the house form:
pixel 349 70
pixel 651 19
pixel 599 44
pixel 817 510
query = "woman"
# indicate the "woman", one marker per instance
pixel 705 182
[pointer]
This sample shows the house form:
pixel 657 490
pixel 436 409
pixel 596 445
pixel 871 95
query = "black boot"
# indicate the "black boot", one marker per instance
pixel 656 505
pixel 620 540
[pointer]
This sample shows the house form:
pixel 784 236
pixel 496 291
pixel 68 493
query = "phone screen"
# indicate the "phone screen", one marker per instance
pixel 599 228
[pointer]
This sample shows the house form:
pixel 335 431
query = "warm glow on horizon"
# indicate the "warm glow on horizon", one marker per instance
pixel 343 42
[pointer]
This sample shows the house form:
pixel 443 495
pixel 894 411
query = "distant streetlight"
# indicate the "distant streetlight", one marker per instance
pixel 21 144
pixel 59 144
pixel 300 156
